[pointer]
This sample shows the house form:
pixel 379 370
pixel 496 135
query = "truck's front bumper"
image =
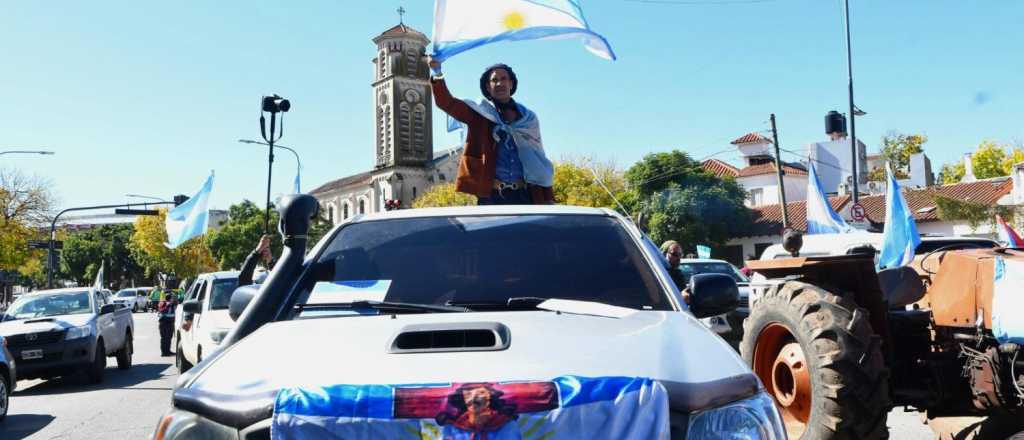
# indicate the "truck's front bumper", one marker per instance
pixel 59 358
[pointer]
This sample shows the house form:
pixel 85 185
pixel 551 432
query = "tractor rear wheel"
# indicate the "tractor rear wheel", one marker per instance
pixel 820 360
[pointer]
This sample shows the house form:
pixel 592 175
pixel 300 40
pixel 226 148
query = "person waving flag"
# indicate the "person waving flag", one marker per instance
pixel 461 25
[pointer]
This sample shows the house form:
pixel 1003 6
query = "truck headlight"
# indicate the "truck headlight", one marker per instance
pixel 218 335
pixel 78 332
pixel 753 418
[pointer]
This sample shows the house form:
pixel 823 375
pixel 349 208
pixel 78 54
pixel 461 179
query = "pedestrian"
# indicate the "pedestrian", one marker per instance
pixel 166 319
pixel 673 253
pixel 503 161
pixel 154 299
pixel 261 253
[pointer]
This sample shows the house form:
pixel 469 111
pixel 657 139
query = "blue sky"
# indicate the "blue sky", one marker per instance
pixel 142 97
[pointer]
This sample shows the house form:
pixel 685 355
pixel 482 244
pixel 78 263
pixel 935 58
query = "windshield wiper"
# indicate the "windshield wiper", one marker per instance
pixel 385 305
pixel 513 303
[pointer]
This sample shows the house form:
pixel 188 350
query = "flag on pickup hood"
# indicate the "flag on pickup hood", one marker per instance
pixel 563 408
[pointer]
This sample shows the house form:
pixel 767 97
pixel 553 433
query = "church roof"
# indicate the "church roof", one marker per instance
pixel 361 178
pixel 401 30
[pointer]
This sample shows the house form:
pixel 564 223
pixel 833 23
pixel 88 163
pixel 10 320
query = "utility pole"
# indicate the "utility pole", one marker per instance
pixel 779 173
pixel 853 109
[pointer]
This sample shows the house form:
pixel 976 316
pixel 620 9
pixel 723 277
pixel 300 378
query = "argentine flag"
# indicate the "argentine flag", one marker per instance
pixel 189 219
pixel 900 238
pixel 821 219
pixel 1007 234
pixel 460 25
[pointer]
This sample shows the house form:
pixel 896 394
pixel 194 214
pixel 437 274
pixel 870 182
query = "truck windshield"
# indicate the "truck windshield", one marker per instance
pixel 43 305
pixel 125 294
pixel 487 260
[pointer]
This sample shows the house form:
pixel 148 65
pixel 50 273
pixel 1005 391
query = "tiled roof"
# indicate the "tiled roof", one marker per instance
pixel 401 30
pixel 768 218
pixel 751 138
pixel 769 168
pixel 363 178
pixel 719 168
pixel 922 201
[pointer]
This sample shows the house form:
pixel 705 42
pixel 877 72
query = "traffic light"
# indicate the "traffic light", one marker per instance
pixel 179 199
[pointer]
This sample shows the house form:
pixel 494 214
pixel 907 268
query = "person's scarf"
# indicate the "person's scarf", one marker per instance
pixel 537 169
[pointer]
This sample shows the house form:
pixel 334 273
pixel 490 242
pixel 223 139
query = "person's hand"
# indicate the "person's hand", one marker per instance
pixel 264 245
pixel 266 255
pixel 686 296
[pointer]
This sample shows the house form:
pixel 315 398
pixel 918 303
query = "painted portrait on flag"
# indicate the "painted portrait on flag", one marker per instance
pixel 474 411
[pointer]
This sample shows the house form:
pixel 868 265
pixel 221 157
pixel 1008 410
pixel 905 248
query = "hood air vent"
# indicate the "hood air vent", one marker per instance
pixel 450 337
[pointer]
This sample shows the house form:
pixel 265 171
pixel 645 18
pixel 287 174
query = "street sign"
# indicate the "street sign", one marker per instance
pixel 43 244
pixel 122 211
pixel 857 212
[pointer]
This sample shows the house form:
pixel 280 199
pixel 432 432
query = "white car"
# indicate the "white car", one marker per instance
pixel 206 306
pixel 136 298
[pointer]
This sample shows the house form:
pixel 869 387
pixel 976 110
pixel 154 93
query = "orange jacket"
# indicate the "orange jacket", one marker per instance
pixel 480 154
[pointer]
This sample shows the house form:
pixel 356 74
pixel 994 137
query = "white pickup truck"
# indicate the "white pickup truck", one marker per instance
pixel 480 322
pixel 63 331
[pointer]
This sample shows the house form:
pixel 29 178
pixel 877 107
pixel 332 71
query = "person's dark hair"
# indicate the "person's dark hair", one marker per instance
pixel 487 77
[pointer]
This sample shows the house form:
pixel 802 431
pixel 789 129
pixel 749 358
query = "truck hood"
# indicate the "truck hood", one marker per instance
pixel 49 323
pixel 672 347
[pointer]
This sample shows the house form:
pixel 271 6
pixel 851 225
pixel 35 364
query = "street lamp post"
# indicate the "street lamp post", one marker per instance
pixel 298 162
pixel 853 109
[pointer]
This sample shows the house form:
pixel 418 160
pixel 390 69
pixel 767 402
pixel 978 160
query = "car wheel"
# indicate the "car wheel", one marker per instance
pixel 5 397
pixel 179 359
pixel 124 356
pixel 99 363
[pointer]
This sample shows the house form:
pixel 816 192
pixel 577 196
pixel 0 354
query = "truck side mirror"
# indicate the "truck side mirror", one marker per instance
pixel 240 299
pixel 107 308
pixel 713 294
pixel 191 306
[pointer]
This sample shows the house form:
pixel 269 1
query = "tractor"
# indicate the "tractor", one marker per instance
pixel 838 345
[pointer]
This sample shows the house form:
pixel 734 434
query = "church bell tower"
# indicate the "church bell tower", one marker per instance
pixel 402 99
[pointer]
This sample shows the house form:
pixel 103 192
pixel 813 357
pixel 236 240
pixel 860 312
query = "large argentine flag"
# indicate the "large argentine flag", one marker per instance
pixel 189 219
pixel 821 218
pixel 1007 234
pixel 460 25
pixel 900 238
pixel 567 407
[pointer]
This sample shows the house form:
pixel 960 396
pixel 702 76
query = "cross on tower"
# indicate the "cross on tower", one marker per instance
pixel 401 12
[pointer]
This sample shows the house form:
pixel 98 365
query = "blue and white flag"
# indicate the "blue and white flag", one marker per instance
pixel 703 251
pixel 567 407
pixel 98 283
pixel 900 237
pixel 189 219
pixel 297 190
pixel 460 25
pixel 821 218
pixel 454 124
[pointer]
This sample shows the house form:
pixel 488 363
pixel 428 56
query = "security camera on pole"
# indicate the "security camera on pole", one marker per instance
pixel 271 104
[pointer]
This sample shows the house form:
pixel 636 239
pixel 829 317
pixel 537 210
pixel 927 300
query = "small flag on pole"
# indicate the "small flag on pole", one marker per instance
pixel 461 25
pixel 821 218
pixel 1007 234
pixel 98 284
pixel 297 190
pixel 189 219
pixel 900 238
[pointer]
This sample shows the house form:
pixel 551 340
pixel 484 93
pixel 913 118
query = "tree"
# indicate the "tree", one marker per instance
pixel 681 201
pixel 443 195
pixel 988 160
pixel 85 252
pixel 147 247
pixel 574 183
pixel 896 150
pixel 26 202
pixel 240 234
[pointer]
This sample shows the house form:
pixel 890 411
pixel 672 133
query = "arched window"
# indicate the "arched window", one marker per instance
pixel 419 131
pixel 344 211
pixel 330 214
pixel 382 61
pixel 404 126
pixel 414 192
pixel 362 206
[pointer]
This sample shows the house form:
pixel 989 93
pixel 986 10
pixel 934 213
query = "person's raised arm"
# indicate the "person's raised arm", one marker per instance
pixel 444 99
pixel 249 266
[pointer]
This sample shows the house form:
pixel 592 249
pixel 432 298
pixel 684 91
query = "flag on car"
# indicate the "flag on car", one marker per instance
pixel 821 218
pixel 567 407
pixel 1007 234
pixel 900 237
pixel 98 283
pixel 189 219
pixel 461 25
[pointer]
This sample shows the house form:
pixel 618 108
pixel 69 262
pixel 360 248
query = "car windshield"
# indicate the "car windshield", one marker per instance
pixel 222 290
pixel 691 269
pixel 52 304
pixel 125 294
pixel 487 260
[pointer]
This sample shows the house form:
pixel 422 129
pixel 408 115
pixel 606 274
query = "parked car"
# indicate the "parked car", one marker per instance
pixel 206 305
pixel 8 378
pixel 63 331
pixel 136 298
pixel 730 325
pixel 492 295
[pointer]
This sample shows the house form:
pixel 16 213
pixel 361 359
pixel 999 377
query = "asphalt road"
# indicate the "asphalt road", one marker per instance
pixel 127 405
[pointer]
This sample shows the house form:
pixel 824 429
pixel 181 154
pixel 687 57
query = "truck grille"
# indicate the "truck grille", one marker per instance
pixel 40 338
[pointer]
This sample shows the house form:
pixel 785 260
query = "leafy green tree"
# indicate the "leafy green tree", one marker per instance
pixel 988 160
pixel 147 247
pixel 25 201
pixel 240 235
pixel 897 149
pixel 574 183
pixel 951 173
pixel 443 195
pixel 678 200
pixel 86 251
